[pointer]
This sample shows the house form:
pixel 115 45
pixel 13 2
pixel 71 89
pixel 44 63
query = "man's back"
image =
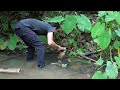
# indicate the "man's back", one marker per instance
pixel 36 25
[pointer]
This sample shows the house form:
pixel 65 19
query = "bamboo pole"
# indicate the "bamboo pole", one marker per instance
pixel 9 70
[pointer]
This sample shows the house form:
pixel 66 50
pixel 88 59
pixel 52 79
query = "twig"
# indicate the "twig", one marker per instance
pixel 86 57
pixel 88 53
pixel 101 66
pixel 111 55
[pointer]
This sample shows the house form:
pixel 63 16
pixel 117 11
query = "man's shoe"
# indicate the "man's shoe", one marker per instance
pixel 41 66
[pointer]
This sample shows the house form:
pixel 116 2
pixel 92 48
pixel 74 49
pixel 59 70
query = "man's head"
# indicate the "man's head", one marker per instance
pixel 55 25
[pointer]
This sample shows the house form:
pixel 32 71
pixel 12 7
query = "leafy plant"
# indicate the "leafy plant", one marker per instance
pixel 2 45
pixel 12 42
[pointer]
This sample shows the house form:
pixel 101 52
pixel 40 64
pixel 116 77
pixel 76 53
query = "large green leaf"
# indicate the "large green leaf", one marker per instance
pixel 117 18
pixel 69 24
pixel 117 59
pixel 56 19
pixel 110 16
pixel 116 44
pixel 101 13
pixel 104 40
pixel 111 70
pixel 99 75
pixel 83 23
pixel 97 30
pixel 118 32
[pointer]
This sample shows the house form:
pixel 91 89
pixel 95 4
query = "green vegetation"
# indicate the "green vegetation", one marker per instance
pixel 80 33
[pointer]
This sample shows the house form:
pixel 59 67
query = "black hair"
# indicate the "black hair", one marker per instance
pixel 54 24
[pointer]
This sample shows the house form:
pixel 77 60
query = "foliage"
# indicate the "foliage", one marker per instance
pixel 99 75
pixel 109 39
pixel 105 32
pixel 81 34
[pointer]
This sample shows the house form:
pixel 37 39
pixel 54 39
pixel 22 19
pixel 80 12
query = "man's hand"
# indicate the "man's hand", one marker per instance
pixel 61 48
pixel 62 51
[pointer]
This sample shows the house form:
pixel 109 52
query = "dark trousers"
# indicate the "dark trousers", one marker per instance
pixel 32 40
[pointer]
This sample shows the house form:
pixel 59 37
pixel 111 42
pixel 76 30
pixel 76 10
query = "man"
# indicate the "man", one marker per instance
pixel 29 29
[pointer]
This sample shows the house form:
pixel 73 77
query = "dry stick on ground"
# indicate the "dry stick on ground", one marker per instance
pixel 89 53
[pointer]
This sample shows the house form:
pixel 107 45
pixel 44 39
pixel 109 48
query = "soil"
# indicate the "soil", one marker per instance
pixel 29 69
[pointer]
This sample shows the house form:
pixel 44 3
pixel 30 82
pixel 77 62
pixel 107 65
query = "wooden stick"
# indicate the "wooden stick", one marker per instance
pixel 86 57
pixel 9 70
pixel 89 53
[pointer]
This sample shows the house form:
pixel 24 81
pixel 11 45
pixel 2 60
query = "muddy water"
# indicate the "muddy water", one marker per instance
pixel 29 70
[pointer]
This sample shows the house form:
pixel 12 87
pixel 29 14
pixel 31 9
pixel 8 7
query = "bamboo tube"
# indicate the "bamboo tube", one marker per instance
pixel 9 70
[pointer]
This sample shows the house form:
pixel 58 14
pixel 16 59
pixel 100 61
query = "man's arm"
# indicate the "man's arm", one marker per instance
pixel 52 43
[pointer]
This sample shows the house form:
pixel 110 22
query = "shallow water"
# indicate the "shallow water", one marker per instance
pixel 29 70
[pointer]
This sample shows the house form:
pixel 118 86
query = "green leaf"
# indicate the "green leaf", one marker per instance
pixel 72 53
pixel 116 44
pixel 75 44
pixel 110 13
pixel 21 46
pixel 99 61
pixel 118 32
pixel 101 13
pixel 112 34
pixel 99 75
pixel 70 40
pixel 56 19
pixel 110 16
pixel 12 24
pixel 97 30
pixel 104 40
pixel 2 45
pixel 96 40
pixel 5 26
pixel 11 45
pixel 117 59
pixel 111 70
pixel 69 24
pixel 83 23
pixel 14 38
pixel 117 18
pixel 80 51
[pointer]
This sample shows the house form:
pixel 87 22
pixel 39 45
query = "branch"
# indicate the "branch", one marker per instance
pixel 86 57
pixel 88 53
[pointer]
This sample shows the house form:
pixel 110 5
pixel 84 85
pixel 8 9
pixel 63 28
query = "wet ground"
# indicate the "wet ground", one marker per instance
pixel 29 70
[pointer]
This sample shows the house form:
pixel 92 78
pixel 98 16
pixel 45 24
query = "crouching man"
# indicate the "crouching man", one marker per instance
pixel 29 29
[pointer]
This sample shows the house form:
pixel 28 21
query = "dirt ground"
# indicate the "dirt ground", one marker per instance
pixel 29 70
